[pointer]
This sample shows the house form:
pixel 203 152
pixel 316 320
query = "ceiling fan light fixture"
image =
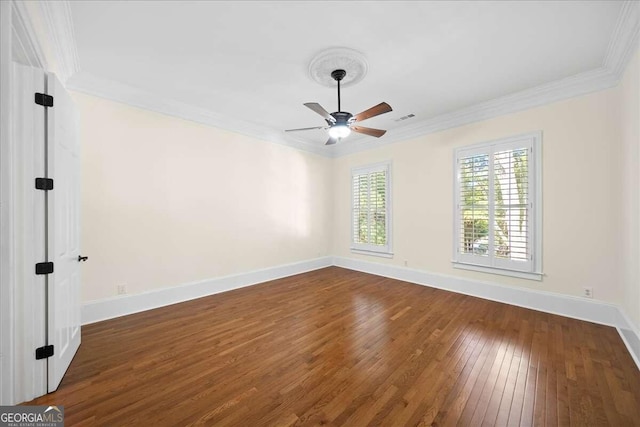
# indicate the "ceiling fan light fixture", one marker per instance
pixel 340 122
pixel 339 131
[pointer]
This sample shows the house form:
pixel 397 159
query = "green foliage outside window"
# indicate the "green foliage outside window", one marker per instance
pixel 474 183
pixel 370 204
pixel 510 171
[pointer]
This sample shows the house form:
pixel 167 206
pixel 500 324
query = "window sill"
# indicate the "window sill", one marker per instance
pixel 500 271
pixel 372 253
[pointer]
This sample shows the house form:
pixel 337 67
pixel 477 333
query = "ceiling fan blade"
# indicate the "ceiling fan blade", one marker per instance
pixel 299 129
pixel 381 108
pixel 331 141
pixel 369 131
pixel 318 109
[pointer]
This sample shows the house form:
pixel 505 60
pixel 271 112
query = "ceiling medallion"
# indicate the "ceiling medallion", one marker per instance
pixel 338 58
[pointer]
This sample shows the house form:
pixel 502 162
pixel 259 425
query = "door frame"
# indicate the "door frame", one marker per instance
pixel 7 238
pixel 38 34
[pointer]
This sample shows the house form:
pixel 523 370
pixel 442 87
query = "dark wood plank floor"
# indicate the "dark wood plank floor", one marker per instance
pixel 338 347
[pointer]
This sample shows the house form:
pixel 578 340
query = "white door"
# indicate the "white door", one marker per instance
pixel 63 297
pixel 28 211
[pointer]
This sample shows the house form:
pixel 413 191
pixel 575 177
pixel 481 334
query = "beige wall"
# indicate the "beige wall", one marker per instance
pixel 167 201
pixel 581 234
pixel 629 92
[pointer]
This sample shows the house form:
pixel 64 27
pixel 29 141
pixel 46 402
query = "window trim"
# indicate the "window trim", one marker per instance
pixel 535 211
pixel 368 249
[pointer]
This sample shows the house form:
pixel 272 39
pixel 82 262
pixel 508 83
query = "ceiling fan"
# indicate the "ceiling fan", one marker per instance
pixel 341 123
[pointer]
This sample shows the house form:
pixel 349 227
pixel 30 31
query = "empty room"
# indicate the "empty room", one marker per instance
pixel 299 213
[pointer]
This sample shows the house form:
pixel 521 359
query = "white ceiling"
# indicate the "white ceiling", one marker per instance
pixel 247 62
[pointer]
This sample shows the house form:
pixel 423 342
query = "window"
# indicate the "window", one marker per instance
pixel 497 207
pixel 370 196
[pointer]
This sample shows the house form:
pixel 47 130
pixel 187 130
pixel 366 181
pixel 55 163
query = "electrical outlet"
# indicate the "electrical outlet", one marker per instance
pixel 406 263
pixel 122 289
pixel 587 292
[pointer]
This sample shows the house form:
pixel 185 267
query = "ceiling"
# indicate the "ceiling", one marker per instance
pixel 246 63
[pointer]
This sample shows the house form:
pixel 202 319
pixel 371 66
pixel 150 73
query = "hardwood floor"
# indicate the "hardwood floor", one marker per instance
pixel 339 347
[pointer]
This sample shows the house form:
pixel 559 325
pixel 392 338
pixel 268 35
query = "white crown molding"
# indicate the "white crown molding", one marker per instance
pixel 45 31
pixel 580 84
pixel 621 47
pixel 623 42
pixel 109 89
pixel 623 39
pixel 25 48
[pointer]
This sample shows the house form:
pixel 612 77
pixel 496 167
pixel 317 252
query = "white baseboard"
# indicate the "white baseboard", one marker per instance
pixel 548 302
pixel 563 305
pixel 630 335
pixel 108 308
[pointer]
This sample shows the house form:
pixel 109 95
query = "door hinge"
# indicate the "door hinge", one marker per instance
pixel 44 184
pixel 44 352
pixel 44 268
pixel 44 99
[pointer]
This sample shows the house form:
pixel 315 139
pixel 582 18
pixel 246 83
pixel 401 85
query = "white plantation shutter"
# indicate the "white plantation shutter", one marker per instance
pixel 511 211
pixel 474 206
pixel 495 222
pixel 370 208
pixel 361 208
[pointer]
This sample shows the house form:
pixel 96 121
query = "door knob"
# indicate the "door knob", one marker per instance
pixel 82 258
